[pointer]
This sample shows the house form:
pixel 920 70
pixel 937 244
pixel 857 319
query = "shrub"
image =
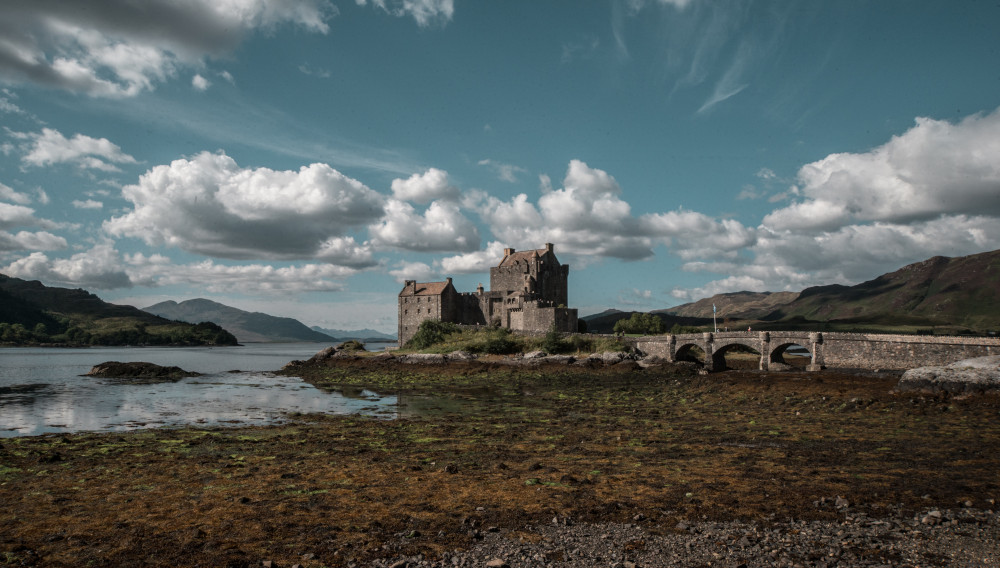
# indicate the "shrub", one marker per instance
pixel 351 345
pixel 497 342
pixel 580 343
pixel 431 332
pixel 553 342
pixel 640 323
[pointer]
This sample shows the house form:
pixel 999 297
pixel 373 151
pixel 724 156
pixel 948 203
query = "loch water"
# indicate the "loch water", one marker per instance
pixel 42 390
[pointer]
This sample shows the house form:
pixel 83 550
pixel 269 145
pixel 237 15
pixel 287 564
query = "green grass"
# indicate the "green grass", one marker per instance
pixel 478 340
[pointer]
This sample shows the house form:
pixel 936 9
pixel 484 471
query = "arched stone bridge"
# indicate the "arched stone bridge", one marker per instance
pixel 838 350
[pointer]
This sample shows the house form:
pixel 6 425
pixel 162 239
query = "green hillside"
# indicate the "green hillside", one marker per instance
pixel 32 313
pixel 939 295
pixel 735 305
pixel 962 292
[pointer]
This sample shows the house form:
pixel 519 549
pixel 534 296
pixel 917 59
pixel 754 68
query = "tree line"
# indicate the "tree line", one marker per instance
pixel 205 333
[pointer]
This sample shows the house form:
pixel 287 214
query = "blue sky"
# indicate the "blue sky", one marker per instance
pixel 304 157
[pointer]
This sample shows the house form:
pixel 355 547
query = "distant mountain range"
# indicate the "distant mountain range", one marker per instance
pixel 359 334
pixel 951 295
pixel 32 313
pixel 256 327
pixel 248 327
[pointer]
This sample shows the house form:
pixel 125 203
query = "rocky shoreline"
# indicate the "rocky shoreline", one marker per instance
pixel 970 376
pixel 615 465
pixel 960 538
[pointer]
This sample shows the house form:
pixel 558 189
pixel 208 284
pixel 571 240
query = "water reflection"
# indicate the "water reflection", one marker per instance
pixel 41 391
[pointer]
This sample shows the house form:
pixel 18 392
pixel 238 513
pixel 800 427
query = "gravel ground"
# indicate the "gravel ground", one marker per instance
pixel 961 538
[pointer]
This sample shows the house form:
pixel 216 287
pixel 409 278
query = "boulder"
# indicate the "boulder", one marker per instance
pixel 460 356
pixel 968 376
pixel 612 357
pixel 139 372
pixel 423 358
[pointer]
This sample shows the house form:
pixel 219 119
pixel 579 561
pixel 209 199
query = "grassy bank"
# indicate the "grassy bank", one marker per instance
pixel 615 444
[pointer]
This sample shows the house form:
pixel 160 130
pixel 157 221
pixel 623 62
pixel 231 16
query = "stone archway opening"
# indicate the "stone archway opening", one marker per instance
pixel 792 354
pixel 690 353
pixel 736 357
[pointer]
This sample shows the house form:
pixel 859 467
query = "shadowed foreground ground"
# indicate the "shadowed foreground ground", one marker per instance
pixel 507 448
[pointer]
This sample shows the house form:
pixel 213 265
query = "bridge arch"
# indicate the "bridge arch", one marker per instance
pixel 719 354
pixel 690 351
pixel 780 348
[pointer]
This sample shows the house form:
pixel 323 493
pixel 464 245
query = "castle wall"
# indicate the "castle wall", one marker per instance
pixel 472 310
pixel 525 294
pixel 415 309
pixel 516 320
pixel 508 278
pixel 534 318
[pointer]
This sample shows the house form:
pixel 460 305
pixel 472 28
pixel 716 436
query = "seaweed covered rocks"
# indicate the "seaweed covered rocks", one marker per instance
pixel 139 372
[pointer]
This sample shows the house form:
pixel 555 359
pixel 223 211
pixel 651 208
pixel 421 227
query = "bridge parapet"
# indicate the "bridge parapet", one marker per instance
pixel 827 349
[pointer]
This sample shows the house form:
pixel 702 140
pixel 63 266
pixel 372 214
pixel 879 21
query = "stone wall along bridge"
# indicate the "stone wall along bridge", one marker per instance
pixel 835 350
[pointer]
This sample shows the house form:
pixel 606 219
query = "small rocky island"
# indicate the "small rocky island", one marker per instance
pixel 139 371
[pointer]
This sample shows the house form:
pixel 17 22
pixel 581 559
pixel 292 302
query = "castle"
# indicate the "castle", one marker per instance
pixel 528 292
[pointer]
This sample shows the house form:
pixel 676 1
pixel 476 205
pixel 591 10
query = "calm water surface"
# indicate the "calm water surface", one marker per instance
pixel 41 389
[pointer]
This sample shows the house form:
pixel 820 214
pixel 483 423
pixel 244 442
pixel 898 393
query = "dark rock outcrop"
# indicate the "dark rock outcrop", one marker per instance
pixel 139 372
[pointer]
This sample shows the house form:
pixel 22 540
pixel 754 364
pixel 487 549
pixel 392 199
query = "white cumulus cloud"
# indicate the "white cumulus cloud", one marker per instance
pixel 441 228
pixel 8 194
pixel 210 205
pixel 99 268
pixel 588 217
pixel 50 147
pixel 474 262
pixel 105 268
pixel 934 168
pixel 424 188
pixel 28 240
pixel 419 271
pixel 200 83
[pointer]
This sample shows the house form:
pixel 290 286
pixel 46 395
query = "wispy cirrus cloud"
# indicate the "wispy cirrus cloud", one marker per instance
pixel 120 48
pixel 424 12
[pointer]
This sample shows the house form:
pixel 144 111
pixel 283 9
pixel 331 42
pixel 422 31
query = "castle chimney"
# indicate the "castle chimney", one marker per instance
pixel 548 247
pixel 449 280
pixel 507 252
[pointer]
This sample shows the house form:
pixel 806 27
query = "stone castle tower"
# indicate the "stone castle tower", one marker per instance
pixel 528 292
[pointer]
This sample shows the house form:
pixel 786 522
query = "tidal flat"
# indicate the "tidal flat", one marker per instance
pixel 497 450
